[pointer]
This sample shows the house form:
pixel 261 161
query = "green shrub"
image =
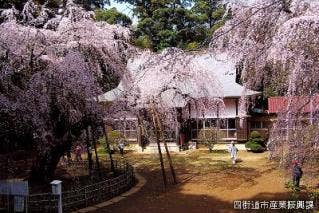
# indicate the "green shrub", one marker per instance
pixel 255 134
pixel 255 143
pixel 113 139
pixel 143 42
pixel 192 45
pixel 294 191
pixel 208 137
pixel 313 193
pixel 254 147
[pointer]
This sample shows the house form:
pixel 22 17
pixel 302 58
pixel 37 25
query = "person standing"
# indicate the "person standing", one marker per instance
pixel 121 145
pixel 78 153
pixel 297 174
pixel 233 152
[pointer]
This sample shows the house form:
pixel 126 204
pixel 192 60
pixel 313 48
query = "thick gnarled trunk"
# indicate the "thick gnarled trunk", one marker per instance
pixel 46 162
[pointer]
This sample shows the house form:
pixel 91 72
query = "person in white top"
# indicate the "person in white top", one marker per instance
pixel 233 152
pixel 121 145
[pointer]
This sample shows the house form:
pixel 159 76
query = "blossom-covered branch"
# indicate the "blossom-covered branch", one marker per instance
pixel 51 76
pixel 278 48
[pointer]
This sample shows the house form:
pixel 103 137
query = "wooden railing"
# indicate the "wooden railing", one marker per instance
pixel 87 195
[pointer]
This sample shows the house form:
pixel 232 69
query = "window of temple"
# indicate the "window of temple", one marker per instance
pixel 256 125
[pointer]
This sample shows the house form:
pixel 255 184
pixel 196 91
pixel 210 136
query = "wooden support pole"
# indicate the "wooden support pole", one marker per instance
pixel 108 148
pixel 161 131
pixel 159 148
pixel 139 132
pixel 96 155
pixel 88 150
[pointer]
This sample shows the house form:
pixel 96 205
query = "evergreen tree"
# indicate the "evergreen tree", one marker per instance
pixel 172 23
pixel 112 16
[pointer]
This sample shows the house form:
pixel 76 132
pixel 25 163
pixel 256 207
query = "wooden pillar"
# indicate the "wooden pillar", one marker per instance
pixel 227 129
pixel 124 127
pixel 177 134
pixel 236 104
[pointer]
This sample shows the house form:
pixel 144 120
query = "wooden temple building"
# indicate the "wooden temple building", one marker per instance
pixel 233 122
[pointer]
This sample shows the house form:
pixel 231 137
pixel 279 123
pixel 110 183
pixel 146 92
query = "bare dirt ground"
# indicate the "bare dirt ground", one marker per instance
pixel 207 183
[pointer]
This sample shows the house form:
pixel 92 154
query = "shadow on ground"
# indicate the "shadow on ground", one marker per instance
pixel 152 198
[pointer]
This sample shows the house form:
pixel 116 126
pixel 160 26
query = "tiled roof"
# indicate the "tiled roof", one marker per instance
pixel 225 70
pixel 220 67
pixel 298 104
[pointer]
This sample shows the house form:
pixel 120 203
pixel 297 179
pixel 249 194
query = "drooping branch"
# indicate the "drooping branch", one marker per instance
pixel 49 77
pixel 278 48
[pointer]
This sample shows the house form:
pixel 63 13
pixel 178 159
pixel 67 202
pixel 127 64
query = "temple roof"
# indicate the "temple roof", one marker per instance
pixel 220 68
pixel 225 70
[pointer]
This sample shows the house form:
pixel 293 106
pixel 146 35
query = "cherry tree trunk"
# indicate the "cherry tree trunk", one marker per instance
pixel 46 162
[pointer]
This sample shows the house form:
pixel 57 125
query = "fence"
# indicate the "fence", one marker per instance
pixel 46 202
pixel 87 195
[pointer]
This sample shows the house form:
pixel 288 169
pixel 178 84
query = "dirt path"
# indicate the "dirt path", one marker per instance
pixel 208 183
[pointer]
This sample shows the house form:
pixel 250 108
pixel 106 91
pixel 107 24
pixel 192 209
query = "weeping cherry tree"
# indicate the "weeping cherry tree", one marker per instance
pixel 277 45
pixel 51 74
